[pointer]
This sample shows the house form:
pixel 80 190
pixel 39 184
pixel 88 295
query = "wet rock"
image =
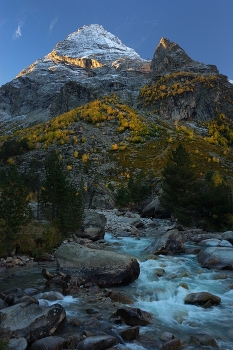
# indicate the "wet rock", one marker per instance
pixel 102 267
pixel 216 258
pixel 193 250
pixel 49 343
pixel 172 344
pixel 134 316
pixel 129 334
pixel 159 272
pixel 166 336
pixel 203 299
pixel 183 285
pixel 211 242
pixel 203 339
pixel 228 235
pixel 31 291
pixel 119 297
pixel 168 244
pixel 97 342
pixel 93 227
pixel 17 344
pixel 32 321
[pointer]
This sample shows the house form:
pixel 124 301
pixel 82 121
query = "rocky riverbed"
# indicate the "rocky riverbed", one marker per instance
pixel 182 298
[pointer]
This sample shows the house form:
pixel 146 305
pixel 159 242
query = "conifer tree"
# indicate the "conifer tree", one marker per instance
pixel 178 184
pixel 14 211
pixel 62 200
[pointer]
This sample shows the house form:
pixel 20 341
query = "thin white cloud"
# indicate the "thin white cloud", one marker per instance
pixel 231 81
pixel 52 24
pixel 18 32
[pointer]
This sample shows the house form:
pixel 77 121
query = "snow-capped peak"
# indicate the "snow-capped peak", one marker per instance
pixel 94 42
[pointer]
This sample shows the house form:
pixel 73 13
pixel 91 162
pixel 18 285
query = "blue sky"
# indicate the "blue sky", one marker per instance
pixel 29 29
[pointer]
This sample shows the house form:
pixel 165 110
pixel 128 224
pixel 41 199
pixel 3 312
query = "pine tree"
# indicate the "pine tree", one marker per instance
pixel 14 211
pixel 178 184
pixel 62 200
pixel 215 202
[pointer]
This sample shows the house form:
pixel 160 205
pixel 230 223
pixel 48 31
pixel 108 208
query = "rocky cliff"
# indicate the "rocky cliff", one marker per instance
pixel 184 89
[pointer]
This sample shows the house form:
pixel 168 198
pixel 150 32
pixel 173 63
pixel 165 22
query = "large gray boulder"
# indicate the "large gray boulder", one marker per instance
pixel 103 267
pixel 94 226
pixel 216 258
pixel 168 244
pixel 31 321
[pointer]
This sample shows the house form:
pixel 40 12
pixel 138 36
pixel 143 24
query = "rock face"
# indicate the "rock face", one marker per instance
pixel 183 89
pixel 89 63
pixel 32 321
pixel 169 243
pixel 216 258
pixel 103 267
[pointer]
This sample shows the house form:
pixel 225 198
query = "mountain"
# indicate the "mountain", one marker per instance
pixel 184 89
pixel 89 63
pixel 109 113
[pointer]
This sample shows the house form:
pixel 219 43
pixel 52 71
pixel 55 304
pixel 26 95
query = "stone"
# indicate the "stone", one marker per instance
pixel 216 258
pixel 203 339
pixel 129 333
pixel 168 244
pixel 49 343
pixel 102 267
pixel 32 321
pixel 97 342
pixel 134 316
pixel 211 242
pixel 203 299
pixel 93 227
pixel 166 336
pixel 119 297
pixel 172 344
pixel 17 344
pixel 155 210
pixel 228 235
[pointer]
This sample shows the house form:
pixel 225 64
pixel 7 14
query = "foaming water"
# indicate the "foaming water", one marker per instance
pixel 164 296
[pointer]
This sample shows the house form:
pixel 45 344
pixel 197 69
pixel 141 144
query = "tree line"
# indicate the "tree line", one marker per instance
pixel 59 201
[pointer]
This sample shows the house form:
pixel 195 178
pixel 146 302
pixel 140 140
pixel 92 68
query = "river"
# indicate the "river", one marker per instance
pixel 162 296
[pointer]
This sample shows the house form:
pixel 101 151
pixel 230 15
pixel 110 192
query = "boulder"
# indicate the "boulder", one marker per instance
pixel 129 333
pixel 213 242
pixel 203 339
pixel 97 342
pixel 17 344
pixel 134 316
pixel 119 297
pixel 31 321
pixel 102 267
pixel 204 299
pixel 228 235
pixel 216 258
pixel 49 343
pixel 93 227
pixel 168 244
pixel 154 209
pixel 172 344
